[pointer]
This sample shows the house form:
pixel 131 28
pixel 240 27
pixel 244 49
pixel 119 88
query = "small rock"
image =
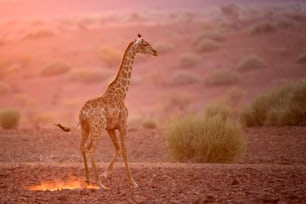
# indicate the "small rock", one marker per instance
pixel 235 182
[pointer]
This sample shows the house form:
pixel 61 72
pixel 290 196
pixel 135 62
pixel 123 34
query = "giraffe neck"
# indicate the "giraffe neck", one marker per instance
pixel 120 85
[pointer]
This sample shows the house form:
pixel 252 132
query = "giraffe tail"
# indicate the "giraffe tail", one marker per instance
pixel 66 129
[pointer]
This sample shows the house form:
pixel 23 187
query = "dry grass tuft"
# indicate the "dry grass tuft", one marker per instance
pixel 87 76
pixel 187 60
pixel 5 88
pixel 55 69
pixel 206 45
pixel 279 107
pixel 149 123
pixel 163 48
pixel 43 33
pixel 222 77
pixel 110 56
pixel 301 58
pixel 9 118
pixel 179 78
pixel 251 62
pixel 210 34
pixel 211 137
pixel 263 27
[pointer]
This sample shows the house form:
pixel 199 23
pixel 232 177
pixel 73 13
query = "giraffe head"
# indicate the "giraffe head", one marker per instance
pixel 144 47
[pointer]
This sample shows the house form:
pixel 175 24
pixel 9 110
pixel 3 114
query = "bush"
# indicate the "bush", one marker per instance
pixel 264 27
pixel 189 60
pixel 279 107
pixel 110 56
pixel 5 88
pixel 230 10
pixel 89 76
pixel 149 123
pixel 182 78
pixel 207 45
pixel 212 35
pixel 40 34
pixel 9 118
pixel 222 77
pixel 251 62
pixel 163 48
pixel 301 59
pixel 286 23
pixel 55 69
pixel 211 138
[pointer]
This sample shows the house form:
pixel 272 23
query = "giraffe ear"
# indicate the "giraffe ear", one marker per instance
pixel 138 40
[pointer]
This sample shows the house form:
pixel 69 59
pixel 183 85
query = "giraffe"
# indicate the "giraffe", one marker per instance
pixel 109 113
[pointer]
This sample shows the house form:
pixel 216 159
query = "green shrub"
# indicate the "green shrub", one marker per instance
pixel 207 45
pixel 222 77
pixel 211 137
pixel 264 27
pixel 251 62
pixel 110 56
pixel 189 60
pixel 55 69
pixel 279 107
pixel 9 118
pixel 301 59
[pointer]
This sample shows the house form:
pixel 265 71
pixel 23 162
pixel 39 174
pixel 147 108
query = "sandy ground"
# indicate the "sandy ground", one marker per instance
pixel 272 170
pixel 35 34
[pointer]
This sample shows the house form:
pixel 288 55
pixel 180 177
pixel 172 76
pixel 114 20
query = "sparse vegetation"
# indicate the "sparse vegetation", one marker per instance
pixel 5 88
pixel 43 33
pixel 222 77
pixel 163 48
pixel 234 95
pixel 230 10
pixel 149 123
pixel 301 59
pixel 209 34
pixel 286 23
pixel 110 56
pixel 55 69
pixel 9 118
pixel 183 77
pixel 264 27
pixel 280 107
pixel 89 76
pixel 251 62
pixel 187 60
pixel 206 45
pixel 211 137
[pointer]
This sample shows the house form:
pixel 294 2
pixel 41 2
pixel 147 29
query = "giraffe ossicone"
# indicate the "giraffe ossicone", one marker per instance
pixel 109 113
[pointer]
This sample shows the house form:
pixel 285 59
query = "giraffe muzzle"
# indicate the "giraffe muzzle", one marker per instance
pixel 154 52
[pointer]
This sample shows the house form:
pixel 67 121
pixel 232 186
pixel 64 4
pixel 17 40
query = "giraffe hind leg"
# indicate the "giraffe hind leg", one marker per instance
pixel 92 147
pixel 113 137
pixel 85 134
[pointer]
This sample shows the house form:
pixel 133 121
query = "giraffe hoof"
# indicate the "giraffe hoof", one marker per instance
pixel 103 187
pixel 134 184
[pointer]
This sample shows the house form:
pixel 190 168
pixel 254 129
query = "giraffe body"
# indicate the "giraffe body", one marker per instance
pixel 109 113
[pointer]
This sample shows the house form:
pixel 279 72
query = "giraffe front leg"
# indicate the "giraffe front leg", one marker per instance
pixel 125 157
